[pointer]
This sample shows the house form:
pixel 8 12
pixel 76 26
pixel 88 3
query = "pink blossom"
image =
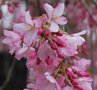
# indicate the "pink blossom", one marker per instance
pixel 72 42
pixel 52 56
pixel 12 39
pixel 55 16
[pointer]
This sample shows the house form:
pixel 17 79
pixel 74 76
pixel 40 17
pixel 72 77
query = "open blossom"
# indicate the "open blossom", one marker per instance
pixel 12 39
pixel 55 16
pixel 72 42
pixel 48 50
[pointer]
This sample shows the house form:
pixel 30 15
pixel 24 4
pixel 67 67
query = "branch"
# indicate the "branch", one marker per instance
pixel 90 13
pixel 8 77
pixel 95 2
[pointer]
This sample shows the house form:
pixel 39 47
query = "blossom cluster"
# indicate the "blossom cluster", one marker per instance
pixel 52 54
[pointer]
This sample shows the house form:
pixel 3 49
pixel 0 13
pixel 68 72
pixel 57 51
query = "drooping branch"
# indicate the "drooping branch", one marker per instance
pixel 88 10
pixel 95 2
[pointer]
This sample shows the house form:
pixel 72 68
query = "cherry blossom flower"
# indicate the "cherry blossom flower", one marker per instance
pixel 12 39
pixel 55 16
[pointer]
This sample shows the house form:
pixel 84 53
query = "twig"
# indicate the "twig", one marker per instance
pixel 90 13
pixel 8 77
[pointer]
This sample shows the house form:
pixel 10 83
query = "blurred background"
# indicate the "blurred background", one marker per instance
pixel 81 14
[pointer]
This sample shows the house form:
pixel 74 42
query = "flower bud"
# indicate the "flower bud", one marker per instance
pixel 38 61
pixel 33 55
pixel 53 45
pixel 60 55
pixel 49 61
pixel 39 31
pixel 10 8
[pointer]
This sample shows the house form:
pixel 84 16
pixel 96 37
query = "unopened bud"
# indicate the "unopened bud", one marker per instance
pixel 10 8
pixel 49 61
pixel 40 31
pixel 53 45
pixel 33 55
pixel 38 61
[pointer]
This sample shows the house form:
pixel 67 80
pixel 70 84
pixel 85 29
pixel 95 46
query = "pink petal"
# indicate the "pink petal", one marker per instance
pixel 21 50
pixel 11 34
pixel 38 22
pixel 80 33
pixel 79 40
pixel 49 77
pixel 67 88
pixel 30 37
pixel 61 20
pixel 7 41
pixel 86 86
pixel 43 53
pixel 21 28
pixel 59 10
pixel 28 18
pixel 49 9
pixel 54 27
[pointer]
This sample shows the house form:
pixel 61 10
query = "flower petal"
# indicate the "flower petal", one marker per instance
pixel 67 88
pixel 59 10
pixel 30 37
pixel 61 20
pixel 54 27
pixel 80 33
pixel 21 50
pixel 11 34
pixel 49 9
pixel 28 18
pixel 49 77
pixel 7 41
pixel 21 28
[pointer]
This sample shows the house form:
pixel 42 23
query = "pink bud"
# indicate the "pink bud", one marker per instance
pixel 85 74
pixel 40 31
pixel 38 61
pixel 79 87
pixel 10 8
pixel 47 32
pixel 61 55
pixel 33 55
pixel 74 81
pixel 60 42
pixel 70 73
pixel 53 45
pixel 49 61
pixel 59 33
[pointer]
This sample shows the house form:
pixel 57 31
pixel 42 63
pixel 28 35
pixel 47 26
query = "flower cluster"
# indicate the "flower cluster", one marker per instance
pixel 50 52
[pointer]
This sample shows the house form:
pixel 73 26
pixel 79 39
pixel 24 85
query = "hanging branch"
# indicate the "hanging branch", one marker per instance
pixel 95 2
pixel 8 75
pixel 90 13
